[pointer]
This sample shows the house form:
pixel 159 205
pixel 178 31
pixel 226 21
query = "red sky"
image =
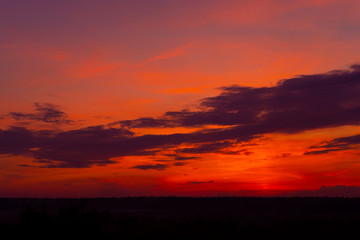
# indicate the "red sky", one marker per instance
pixel 125 98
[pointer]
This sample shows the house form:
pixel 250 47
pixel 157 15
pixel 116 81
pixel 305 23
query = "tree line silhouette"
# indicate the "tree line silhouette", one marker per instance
pixel 182 218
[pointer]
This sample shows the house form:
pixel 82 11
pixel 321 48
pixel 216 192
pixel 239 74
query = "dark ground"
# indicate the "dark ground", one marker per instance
pixel 181 218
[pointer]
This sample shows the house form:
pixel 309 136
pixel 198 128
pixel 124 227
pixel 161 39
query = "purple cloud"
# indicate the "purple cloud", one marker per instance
pixel 207 147
pixel 17 141
pixel 241 114
pixel 152 167
pixel 44 112
pixel 337 144
pixel 293 105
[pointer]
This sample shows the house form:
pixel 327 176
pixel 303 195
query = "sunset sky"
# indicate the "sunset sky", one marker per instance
pixel 111 98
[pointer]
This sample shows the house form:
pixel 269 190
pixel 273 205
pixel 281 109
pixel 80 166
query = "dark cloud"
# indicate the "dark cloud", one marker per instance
pixel 17 141
pixel 283 155
pixel 317 152
pixel 148 122
pixel 293 105
pixel 207 148
pixel 337 144
pixel 199 182
pixel 152 167
pixel 181 158
pixel 177 164
pixel 83 148
pixel 44 112
pixel 241 114
pixel 26 165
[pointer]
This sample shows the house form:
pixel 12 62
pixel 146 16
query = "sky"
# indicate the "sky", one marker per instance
pixel 117 98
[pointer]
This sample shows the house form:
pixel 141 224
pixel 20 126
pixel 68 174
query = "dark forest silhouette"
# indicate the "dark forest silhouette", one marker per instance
pixel 181 218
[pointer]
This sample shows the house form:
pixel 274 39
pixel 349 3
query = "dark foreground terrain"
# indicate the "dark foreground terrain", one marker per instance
pixel 181 218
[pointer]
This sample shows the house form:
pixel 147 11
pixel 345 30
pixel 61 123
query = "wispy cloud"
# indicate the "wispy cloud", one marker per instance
pixel 151 167
pixel 199 182
pixel 44 112
pixel 337 144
